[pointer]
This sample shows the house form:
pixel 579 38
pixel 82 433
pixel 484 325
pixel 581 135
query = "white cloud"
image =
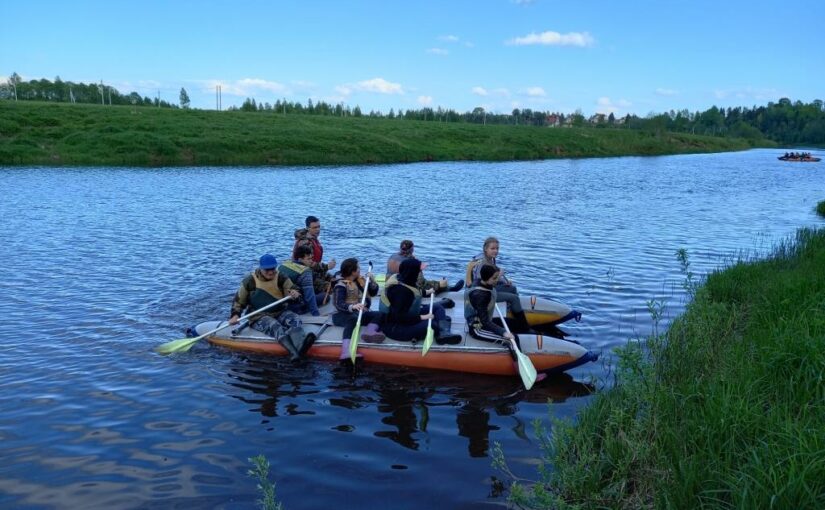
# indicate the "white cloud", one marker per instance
pixel 606 105
pixel 549 38
pixel 343 90
pixel 479 91
pixel 438 51
pixel 379 85
pixel 449 38
pixel 247 87
pixel 523 2
pixel 425 100
pixel 535 92
pixel 749 93
pixel 666 92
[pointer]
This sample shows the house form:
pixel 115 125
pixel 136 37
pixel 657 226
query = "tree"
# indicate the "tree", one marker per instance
pixel 14 81
pixel 184 98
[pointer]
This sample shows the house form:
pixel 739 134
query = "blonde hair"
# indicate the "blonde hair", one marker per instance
pixel 489 241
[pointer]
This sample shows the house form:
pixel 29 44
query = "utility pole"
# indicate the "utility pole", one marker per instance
pixel 110 96
pixel 220 97
pixel 158 98
pixel 217 103
pixel 100 89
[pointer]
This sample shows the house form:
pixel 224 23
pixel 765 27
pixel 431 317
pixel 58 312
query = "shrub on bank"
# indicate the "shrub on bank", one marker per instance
pixel 724 410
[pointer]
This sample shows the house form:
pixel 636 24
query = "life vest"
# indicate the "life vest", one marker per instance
pixel 292 270
pixel 267 292
pixel 470 313
pixel 354 292
pixel 384 303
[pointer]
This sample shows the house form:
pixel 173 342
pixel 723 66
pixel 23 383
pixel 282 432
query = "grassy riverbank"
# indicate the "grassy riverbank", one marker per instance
pixel 725 410
pixel 63 134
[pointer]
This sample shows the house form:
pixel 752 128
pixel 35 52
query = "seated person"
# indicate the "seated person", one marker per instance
pixel 406 251
pixel 300 274
pixel 406 316
pixel 347 295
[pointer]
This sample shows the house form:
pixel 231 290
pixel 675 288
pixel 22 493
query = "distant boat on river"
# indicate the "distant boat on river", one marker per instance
pixel 801 159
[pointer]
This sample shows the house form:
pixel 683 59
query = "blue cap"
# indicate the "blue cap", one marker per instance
pixel 268 262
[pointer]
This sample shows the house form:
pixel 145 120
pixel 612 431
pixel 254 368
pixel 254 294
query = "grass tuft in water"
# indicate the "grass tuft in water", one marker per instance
pixel 724 410
pixel 260 471
pixel 820 208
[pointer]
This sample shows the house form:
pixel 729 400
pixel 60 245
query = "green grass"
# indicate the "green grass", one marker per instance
pixel 820 208
pixel 724 410
pixel 33 133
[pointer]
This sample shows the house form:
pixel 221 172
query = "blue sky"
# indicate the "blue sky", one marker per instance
pixel 558 55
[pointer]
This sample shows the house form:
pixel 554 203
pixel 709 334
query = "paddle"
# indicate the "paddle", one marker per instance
pixel 428 340
pixel 184 344
pixel 525 367
pixel 356 333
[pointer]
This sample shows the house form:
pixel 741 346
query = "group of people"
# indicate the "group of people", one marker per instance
pixel 404 314
pixel 797 155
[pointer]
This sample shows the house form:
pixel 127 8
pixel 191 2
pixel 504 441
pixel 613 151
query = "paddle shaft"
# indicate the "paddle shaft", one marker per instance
pixel 430 321
pixel 356 332
pixel 250 314
pixel 507 328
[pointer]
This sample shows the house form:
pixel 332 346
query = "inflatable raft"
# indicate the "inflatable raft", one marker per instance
pixel 549 354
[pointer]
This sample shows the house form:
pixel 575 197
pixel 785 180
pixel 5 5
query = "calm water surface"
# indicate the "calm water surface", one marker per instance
pixel 101 265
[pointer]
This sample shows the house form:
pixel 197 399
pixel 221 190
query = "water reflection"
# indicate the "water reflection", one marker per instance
pixel 393 403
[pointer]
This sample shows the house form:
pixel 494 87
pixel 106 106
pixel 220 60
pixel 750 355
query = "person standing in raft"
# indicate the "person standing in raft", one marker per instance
pixel 262 287
pixel 505 289
pixel 406 251
pixel 300 274
pixel 479 308
pixel 406 315
pixel 346 296
pixel 309 237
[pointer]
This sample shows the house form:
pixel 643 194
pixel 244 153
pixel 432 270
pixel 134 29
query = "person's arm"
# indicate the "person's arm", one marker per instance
pixel 401 299
pixel 241 299
pixel 308 291
pixel 480 300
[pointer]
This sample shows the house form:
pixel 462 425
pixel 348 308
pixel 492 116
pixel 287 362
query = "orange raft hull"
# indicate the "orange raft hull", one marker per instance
pixel 548 354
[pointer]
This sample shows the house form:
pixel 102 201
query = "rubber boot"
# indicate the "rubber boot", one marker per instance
pixel 372 335
pixel 447 302
pixel 286 341
pixel 309 339
pixel 298 337
pixel 519 324
pixel 345 350
pixel 443 336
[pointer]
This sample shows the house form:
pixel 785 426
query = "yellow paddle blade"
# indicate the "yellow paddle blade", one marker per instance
pixel 180 345
pixel 353 342
pixel 428 341
pixel 526 369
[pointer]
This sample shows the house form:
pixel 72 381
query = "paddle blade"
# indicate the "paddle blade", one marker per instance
pixel 353 342
pixel 526 370
pixel 428 341
pixel 181 345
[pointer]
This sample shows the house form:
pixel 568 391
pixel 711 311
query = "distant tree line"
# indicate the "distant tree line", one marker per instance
pixel 785 121
pixel 71 92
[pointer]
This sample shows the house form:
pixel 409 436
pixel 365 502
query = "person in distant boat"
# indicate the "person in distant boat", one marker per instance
pixel 479 308
pixel 346 297
pixel 406 251
pixel 406 315
pixel 309 237
pixel 505 289
pixel 299 272
pixel 262 287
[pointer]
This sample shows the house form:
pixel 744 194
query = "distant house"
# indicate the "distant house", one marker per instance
pixel 552 120
pixel 598 118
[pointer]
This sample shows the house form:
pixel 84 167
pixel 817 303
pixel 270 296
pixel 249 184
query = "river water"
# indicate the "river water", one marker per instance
pixel 100 265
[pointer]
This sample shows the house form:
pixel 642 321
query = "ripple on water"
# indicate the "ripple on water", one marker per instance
pixel 101 265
